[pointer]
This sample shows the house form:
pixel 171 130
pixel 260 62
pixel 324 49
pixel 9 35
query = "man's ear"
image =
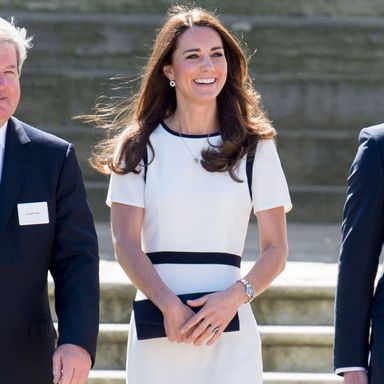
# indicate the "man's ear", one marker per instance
pixel 168 71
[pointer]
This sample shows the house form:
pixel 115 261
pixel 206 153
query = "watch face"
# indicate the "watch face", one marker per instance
pixel 249 291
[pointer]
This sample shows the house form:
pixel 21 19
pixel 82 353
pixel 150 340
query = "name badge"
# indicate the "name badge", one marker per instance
pixel 33 213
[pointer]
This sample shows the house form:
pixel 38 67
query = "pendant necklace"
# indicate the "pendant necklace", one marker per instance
pixel 194 157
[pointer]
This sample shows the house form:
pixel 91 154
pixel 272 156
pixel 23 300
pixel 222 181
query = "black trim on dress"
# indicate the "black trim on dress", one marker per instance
pixel 189 136
pixel 249 171
pixel 173 257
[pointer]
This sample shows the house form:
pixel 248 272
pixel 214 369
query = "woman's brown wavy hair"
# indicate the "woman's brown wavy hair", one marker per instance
pixel 131 121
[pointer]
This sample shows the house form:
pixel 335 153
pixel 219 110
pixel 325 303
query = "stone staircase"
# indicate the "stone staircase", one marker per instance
pixel 319 68
pixel 294 315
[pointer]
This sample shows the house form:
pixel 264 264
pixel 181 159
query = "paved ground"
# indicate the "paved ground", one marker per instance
pixel 295 274
pixel 307 242
pixel 312 260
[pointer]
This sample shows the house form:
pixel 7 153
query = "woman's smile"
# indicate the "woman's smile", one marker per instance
pixel 199 66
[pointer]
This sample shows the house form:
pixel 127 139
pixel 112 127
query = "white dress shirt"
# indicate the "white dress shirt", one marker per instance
pixel 340 371
pixel 3 131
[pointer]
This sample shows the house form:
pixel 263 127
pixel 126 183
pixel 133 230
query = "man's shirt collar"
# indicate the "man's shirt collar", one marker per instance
pixel 3 132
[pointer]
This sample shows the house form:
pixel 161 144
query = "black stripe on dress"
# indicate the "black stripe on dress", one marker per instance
pixel 172 257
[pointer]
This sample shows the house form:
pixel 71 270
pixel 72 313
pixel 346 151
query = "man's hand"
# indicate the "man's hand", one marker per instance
pixel 355 377
pixel 71 364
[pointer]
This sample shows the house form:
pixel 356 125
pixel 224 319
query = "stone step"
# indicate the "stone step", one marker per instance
pixel 312 248
pixel 312 203
pixel 317 98
pixel 300 378
pixel 118 377
pixel 285 45
pixel 260 7
pixel 305 155
pixel 316 171
pixel 313 104
pixel 302 295
pixel 295 104
pixel 285 348
pixel 297 348
pixel 317 157
pixel 106 377
pixel 314 152
pixel 317 203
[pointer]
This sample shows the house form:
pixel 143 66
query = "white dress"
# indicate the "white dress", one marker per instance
pixel 194 214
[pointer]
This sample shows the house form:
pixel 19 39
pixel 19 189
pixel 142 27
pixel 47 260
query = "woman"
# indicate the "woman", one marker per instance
pixel 180 205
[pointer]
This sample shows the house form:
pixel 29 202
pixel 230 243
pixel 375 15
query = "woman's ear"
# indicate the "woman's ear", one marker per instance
pixel 168 72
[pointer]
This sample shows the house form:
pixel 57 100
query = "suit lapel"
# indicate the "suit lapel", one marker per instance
pixel 17 152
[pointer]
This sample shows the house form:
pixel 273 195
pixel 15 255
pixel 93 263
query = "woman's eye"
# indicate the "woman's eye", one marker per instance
pixel 217 54
pixel 192 56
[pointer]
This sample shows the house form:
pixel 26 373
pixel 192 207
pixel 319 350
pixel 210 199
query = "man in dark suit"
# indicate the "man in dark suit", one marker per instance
pixel 358 355
pixel 45 225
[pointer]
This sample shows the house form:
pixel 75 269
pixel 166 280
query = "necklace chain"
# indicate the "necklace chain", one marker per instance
pixel 194 157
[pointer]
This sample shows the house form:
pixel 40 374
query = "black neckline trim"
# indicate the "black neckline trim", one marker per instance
pixel 189 136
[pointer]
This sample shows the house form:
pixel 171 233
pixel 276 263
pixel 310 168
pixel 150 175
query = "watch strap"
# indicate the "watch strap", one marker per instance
pixel 247 285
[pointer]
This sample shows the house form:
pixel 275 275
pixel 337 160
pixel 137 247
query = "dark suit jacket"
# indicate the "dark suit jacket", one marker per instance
pixel 39 167
pixel 362 239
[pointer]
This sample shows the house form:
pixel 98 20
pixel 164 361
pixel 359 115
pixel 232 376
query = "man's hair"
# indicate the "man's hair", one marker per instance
pixel 9 32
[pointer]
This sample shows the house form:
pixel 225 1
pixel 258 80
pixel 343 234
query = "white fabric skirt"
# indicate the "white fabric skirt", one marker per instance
pixel 234 358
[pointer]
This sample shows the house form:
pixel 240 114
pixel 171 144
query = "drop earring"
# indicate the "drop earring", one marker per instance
pixel 172 83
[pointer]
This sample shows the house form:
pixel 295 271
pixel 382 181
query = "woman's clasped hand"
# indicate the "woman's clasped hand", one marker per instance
pixel 217 309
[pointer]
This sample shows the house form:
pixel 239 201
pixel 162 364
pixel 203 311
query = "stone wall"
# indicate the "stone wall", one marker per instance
pixel 318 65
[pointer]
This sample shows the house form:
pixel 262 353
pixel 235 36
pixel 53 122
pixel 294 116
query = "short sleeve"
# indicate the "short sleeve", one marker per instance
pixel 269 186
pixel 126 189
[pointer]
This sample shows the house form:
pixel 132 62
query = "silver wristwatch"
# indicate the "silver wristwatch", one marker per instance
pixel 249 291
